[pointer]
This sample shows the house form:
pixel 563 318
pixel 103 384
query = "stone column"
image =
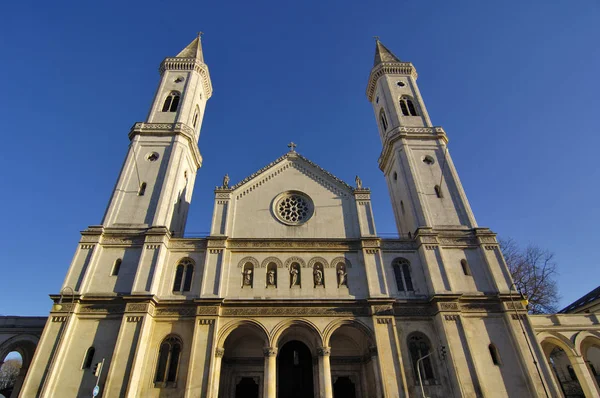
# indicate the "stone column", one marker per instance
pixel 270 377
pixel 216 379
pixel 586 380
pixel 376 373
pixel 326 391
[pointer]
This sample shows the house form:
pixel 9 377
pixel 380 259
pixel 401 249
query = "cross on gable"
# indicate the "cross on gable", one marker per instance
pixel 292 147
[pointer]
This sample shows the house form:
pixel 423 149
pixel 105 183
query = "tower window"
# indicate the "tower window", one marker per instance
pixel 184 273
pixel 395 176
pixel 418 347
pixel 438 191
pixel 465 267
pixel 171 102
pixel 142 189
pixel 401 268
pixel 89 357
pixel 116 267
pixel 168 361
pixel 383 120
pixel 407 107
pixel 494 354
pixel 195 119
pixel 402 207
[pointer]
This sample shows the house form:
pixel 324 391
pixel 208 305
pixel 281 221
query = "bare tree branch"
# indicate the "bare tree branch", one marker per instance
pixel 534 271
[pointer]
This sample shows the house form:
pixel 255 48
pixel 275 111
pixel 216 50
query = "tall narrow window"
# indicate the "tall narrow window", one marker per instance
pixel 195 119
pixel 408 107
pixel 116 267
pixel 494 354
pixel 419 347
pixel 465 267
pixel 89 358
pixel 383 120
pixel 142 189
pixel 403 107
pixel 184 274
pixel 171 102
pixel 438 191
pixel 168 361
pixel 402 275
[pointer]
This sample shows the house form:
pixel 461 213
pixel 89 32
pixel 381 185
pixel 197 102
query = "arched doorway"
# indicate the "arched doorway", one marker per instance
pixel 9 372
pixel 295 370
pixel 590 350
pixel 242 366
pixel 353 361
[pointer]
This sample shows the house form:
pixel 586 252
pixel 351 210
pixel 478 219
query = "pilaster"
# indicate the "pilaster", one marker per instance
pixel 200 363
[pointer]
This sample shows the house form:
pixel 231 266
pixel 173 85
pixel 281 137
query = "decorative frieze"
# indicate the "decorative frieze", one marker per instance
pixel 412 311
pixel 386 309
pixel 480 307
pixel 397 245
pixel 176 311
pixel 207 310
pixel 136 307
pixel 512 305
pixel 446 306
pixel 101 309
pixel 121 241
pixel 341 245
pixel 295 311
pixel 457 241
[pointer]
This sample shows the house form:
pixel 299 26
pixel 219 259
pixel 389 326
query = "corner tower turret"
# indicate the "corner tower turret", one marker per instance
pixel 423 183
pixel 156 182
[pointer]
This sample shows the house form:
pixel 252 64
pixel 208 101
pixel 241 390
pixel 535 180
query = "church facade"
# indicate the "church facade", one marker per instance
pixel 293 293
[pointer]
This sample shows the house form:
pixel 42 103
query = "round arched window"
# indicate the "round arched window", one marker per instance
pixel 293 208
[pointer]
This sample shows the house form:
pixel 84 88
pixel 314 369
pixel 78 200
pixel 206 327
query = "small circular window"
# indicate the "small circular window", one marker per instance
pixel 293 208
pixel 428 160
pixel 400 84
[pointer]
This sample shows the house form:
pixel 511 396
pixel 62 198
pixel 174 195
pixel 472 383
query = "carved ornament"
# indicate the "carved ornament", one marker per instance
pixel 219 352
pixel 206 321
pixel 270 260
pixel 134 318
pixel 384 321
pixel 324 351
pixel 315 260
pixel 295 259
pixel 270 351
pixel 136 307
pixel 176 311
pixel 250 260
pixel 295 311
pixel 337 260
pixel 444 306
pixel 383 309
pixel 208 310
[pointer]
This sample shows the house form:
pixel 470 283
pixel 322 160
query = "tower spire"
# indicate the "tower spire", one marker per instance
pixel 193 50
pixel 382 54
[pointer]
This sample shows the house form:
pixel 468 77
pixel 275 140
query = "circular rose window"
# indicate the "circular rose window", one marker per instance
pixel 293 208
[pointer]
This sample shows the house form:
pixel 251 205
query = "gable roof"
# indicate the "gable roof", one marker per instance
pixel 291 155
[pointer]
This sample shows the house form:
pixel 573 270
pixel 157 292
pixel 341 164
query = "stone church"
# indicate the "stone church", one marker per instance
pixel 293 293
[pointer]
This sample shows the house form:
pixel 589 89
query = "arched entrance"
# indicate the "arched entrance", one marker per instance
pixel 295 370
pixel 242 366
pixel 15 358
pixel 354 368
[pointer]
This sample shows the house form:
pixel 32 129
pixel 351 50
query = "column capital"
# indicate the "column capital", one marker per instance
pixel 219 352
pixel 270 351
pixel 324 351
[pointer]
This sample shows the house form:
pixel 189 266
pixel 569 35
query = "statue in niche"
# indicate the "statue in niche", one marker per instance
pixel 341 276
pixel 271 277
pixel 226 181
pixel 318 274
pixel 358 182
pixel 248 277
pixel 294 272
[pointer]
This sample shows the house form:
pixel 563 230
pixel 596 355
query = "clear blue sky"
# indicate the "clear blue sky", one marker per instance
pixel 513 83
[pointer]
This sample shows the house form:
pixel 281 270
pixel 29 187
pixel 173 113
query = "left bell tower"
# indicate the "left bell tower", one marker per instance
pixel 156 182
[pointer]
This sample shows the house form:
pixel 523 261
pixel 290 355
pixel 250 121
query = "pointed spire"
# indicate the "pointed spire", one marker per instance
pixel 382 54
pixel 193 50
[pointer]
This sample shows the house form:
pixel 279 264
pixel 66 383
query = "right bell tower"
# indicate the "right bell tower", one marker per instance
pixel 424 187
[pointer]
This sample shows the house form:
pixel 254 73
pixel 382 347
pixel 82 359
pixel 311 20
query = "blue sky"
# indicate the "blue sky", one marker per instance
pixel 513 83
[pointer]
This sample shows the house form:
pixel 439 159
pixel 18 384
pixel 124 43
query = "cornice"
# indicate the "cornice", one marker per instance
pixel 168 129
pixel 420 133
pixel 388 68
pixel 189 64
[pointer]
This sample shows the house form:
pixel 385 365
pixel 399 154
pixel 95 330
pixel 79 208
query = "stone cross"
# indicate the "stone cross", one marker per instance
pixel 376 38
pixel 292 147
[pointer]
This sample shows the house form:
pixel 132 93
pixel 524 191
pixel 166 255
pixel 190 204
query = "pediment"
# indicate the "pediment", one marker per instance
pixel 291 160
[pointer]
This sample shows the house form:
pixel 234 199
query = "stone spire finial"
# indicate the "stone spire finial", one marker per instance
pixel 382 54
pixel 193 50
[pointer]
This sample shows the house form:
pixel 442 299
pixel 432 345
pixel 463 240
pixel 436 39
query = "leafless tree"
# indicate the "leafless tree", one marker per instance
pixel 534 271
pixel 8 373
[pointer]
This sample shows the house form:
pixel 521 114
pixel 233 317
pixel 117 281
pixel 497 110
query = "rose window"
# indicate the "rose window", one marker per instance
pixel 293 208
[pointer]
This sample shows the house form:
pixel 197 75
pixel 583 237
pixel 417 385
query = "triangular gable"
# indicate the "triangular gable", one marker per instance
pixel 324 177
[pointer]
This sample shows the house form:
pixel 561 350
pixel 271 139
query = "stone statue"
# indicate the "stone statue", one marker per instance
pixel 358 182
pixel 226 181
pixel 271 278
pixel 341 273
pixel 318 276
pixel 294 276
pixel 248 277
